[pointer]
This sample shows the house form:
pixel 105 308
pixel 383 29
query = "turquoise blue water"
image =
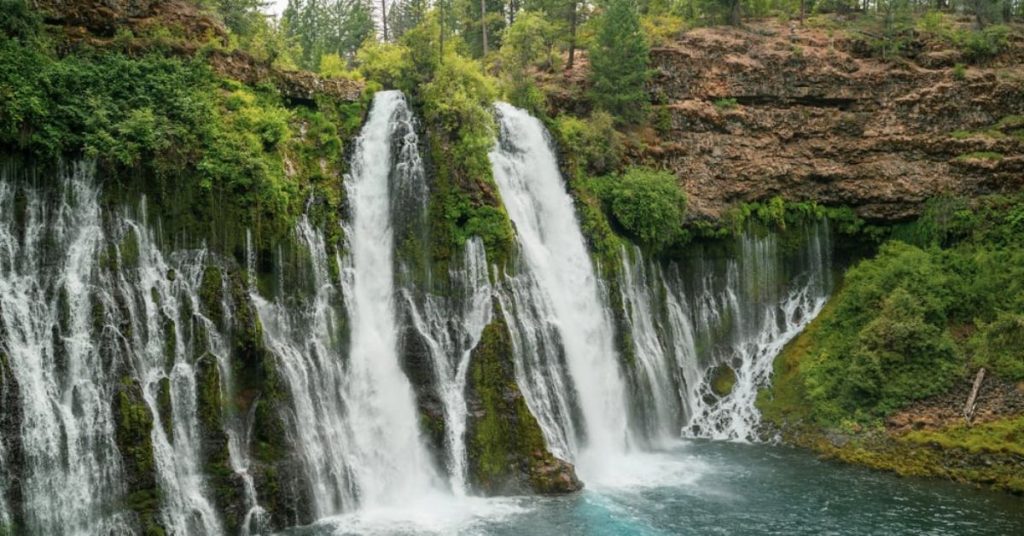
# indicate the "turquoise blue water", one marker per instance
pixel 712 488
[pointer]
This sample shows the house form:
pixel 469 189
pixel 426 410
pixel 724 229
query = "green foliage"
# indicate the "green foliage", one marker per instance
pixel 960 71
pixel 529 43
pixel 648 204
pixel 211 151
pixel 998 345
pixel 18 20
pixel 981 155
pixel 909 322
pixel 618 61
pixel 725 104
pixel 662 29
pixel 327 27
pixel 239 15
pixel 984 44
pixel 589 146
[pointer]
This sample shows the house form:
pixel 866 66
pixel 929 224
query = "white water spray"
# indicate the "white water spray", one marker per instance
pixel 555 254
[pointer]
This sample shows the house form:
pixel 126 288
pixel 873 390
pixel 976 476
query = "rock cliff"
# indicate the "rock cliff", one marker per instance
pixel 746 114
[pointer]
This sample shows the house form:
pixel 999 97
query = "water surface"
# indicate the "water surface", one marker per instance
pixel 705 487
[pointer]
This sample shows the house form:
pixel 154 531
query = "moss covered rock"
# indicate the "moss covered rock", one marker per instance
pixel 505 446
pixel 134 435
pixel 227 486
pixel 10 441
pixel 723 379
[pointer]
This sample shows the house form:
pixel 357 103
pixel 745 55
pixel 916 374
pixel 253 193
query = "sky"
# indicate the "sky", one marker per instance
pixel 276 6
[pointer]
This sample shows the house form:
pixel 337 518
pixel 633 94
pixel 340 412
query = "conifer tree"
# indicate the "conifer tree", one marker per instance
pixel 618 62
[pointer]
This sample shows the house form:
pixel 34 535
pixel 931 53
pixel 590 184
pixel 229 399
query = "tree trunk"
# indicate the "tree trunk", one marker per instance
pixel 483 23
pixel 384 18
pixel 572 34
pixel 734 13
pixel 972 401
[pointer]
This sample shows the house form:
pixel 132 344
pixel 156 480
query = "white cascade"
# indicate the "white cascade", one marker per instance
pixel 565 289
pixel 85 311
pixel 451 326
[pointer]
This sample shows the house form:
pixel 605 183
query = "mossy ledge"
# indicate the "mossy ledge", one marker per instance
pixel 134 435
pixel 505 445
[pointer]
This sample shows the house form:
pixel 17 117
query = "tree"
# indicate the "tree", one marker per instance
pixel 405 15
pixel 327 27
pixel 240 15
pixel 618 62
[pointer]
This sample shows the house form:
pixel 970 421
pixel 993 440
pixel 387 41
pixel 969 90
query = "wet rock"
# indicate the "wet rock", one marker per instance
pixel 506 450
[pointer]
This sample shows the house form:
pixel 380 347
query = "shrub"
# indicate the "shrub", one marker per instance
pixel 589 146
pixel 648 204
pixel 983 44
pixel 725 104
pixel 960 71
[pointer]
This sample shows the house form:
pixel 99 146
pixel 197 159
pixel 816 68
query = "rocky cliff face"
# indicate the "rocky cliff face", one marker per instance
pixel 747 114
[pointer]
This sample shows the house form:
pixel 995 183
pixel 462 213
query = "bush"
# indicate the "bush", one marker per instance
pixel 648 204
pixel 998 345
pixel 984 44
pixel 725 104
pixel 589 146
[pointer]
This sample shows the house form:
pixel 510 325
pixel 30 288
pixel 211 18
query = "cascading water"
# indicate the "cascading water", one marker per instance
pixel 708 313
pixel 388 458
pixel 355 423
pixel 451 327
pixel 85 313
pixel 90 308
pixel 70 473
pixel 306 338
pixel 767 298
pixel 566 286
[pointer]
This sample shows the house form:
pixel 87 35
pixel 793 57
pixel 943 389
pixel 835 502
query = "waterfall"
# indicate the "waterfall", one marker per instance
pixel 451 326
pixel 689 319
pixel 306 339
pixel 765 299
pixel 108 345
pixel 71 471
pixel 389 461
pixel 86 313
pixel 355 426
pixel 565 287
pixel 158 299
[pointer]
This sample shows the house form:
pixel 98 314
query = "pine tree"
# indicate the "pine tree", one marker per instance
pixel 618 62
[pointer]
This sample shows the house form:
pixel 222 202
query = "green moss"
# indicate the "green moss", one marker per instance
pixel 505 442
pixel 723 378
pixel 133 435
pixel 165 407
pixel 980 155
pixel 725 104
pixel 211 294
pixel 129 250
pixel 1001 436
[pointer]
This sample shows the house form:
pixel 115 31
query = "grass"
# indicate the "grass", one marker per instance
pixel 1001 436
pixel 725 104
pixel 981 155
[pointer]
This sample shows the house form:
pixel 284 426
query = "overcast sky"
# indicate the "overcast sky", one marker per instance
pixel 277 6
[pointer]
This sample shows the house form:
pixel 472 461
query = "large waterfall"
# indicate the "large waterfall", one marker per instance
pixel 131 397
pixel 556 259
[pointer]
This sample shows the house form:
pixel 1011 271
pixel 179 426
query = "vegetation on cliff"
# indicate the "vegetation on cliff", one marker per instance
pixel 906 327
